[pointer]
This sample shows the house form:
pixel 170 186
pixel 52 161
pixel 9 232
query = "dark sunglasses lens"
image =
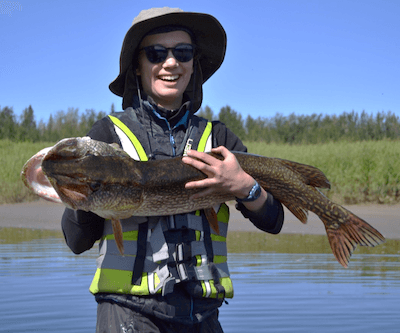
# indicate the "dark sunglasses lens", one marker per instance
pixel 156 53
pixel 183 53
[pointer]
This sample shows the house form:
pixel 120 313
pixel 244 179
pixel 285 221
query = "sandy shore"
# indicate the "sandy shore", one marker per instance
pixel 45 215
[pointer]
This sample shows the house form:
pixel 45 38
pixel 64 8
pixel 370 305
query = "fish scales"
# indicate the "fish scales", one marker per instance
pixel 95 176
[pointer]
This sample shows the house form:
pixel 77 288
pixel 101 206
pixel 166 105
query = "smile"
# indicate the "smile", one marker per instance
pixel 169 78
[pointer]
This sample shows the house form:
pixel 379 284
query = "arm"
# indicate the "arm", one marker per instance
pixel 82 229
pixel 266 213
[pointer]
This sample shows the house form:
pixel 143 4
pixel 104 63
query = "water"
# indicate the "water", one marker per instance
pixel 44 288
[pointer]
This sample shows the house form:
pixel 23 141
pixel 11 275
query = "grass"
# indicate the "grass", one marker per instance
pixel 359 172
pixel 13 157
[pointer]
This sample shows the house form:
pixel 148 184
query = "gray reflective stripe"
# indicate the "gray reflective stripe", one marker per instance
pixel 124 263
pixel 204 272
pixel 223 229
pixel 195 222
pixel 158 244
pixel 129 224
pixel 219 248
pixel 109 246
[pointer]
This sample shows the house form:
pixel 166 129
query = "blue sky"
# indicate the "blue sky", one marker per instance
pixel 283 56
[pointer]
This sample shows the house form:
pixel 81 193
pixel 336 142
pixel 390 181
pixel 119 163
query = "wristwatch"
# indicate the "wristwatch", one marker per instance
pixel 254 194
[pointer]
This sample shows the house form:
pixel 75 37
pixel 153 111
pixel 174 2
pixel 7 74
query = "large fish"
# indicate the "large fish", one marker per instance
pixel 95 176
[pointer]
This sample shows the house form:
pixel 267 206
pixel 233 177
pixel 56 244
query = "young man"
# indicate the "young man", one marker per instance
pixel 174 274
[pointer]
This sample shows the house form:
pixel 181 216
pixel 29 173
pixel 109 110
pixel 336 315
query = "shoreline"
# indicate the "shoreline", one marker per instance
pixel 47 216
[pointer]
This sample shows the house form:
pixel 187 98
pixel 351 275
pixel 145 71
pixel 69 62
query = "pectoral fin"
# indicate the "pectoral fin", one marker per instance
pixel 117 230
pixel 212 219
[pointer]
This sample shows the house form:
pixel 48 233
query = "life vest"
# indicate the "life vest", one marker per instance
pixel 165 250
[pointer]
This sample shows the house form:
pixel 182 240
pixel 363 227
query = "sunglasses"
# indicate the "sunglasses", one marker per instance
pixel 158 53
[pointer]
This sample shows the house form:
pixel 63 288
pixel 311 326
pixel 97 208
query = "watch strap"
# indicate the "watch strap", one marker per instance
pixel 254 194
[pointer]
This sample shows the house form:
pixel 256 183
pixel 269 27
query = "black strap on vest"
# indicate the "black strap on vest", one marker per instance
pixel 140 254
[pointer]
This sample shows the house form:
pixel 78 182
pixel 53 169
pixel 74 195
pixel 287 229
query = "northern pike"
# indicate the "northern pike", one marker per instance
pixel 95 176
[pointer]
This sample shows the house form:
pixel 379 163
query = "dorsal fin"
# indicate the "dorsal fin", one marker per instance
pixel 312 175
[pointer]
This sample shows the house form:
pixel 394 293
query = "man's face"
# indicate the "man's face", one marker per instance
pixel 166 81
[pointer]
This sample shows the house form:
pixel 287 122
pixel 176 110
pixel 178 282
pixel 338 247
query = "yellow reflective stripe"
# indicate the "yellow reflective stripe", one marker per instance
pixel 115 281
pixel 198 235
pixel 218 238
pixel 127 235
pixel 203 140
pixel 136 143
pixel 198 260
pixel 219 259
pixel 223 213
pixel 226 282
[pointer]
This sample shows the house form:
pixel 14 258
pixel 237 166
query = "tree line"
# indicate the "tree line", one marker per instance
pixel 309 129
pixel 291 129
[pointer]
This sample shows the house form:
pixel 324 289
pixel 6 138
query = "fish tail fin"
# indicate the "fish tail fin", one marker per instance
pixel 212 218
pixel 345 238
pixel 117 230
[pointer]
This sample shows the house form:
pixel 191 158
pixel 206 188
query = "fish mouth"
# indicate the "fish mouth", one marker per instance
pixel 72 192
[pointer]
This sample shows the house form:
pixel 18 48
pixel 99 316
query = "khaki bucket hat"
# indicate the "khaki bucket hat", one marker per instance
pixel 209 35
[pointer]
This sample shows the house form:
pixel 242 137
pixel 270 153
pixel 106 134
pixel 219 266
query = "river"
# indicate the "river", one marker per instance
pixel 44 288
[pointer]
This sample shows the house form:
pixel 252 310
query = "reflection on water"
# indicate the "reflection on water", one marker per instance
pixel 44 287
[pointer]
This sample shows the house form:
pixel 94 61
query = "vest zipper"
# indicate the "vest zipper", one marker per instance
pixel 171 138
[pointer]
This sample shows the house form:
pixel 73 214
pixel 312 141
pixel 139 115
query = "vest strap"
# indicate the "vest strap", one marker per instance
pixel 140 254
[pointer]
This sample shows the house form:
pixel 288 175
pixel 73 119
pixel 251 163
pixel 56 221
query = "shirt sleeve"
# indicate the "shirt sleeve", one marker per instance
pixel 82 229
pixel 270 217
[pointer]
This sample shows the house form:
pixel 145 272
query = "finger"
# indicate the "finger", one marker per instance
pixel 200 183
pixel 200 165
pixel 222 150
pixel 206 158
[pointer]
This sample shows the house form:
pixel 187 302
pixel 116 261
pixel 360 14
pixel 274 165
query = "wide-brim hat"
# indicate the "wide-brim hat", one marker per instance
pixel 209 35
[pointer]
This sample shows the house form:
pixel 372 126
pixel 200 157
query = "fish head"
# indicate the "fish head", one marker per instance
pixel 86 175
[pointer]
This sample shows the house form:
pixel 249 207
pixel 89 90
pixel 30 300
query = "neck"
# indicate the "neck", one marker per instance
pixel 176 104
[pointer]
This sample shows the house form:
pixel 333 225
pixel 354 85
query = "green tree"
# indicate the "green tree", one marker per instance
pixel 206 113
pixel 27 130
pixel 233 120
pixel 256 130
pixel 8 126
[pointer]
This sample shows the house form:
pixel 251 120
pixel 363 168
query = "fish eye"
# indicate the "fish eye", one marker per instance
pixel 95 186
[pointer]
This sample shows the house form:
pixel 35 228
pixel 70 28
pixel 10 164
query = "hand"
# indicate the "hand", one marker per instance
pixel 224 176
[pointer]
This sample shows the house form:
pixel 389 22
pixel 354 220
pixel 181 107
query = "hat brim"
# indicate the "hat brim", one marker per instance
pixel 210 40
